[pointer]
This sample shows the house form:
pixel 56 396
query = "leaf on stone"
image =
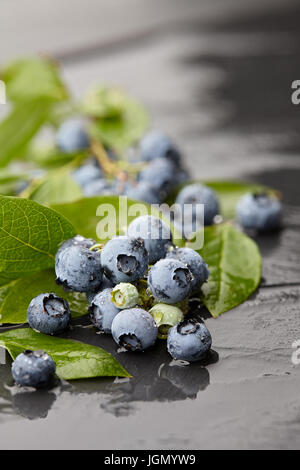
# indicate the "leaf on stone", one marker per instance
pixel 228 192
pixel 17 294
pixel 29 236
pixel 234 263
pixel 74 360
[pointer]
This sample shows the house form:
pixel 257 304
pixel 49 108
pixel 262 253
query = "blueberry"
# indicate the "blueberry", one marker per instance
pixel 72 137
pixel 259 212
pixel 48 314
pixel 98 187
pixel 105 284
pixel 169 281
pixel 78 240
pixel 189 341
pixel 194 262
pixel 78 267
pixel 165 316
pixel 194 194
pixel 33 369
pixel 134 329
pixel 144 192
pixel 102 311
pixel 125 295
pixel 124 259
pixel 87 173
pixel 162 174
pixel 155 144
pixel 155 233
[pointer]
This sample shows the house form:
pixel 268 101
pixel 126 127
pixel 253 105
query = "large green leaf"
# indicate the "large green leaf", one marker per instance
pixel 234 262
pixel 86 214
pixel 18 128
pixel 29 236
pixel 57 187
pixel 74 360
pixel 33 78
pixel 16 296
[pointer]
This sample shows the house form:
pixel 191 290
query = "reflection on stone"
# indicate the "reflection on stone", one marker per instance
pixel 155 380
pixel 33 404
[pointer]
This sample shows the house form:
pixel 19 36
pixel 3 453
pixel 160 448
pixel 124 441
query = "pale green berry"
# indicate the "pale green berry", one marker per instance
pixel 165 316
pixel 125 295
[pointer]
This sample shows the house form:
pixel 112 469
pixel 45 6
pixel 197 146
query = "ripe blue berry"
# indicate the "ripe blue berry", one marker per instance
pixel 102 311
pixel 33 369
pixel 144 192
pixel 259 212
pixel 105 284
pixel 98 187
pixel 48 314
pixel 155 144
pixel 194 194
pixel 124 259
pixel 134 329
pixel 72 137
pixel 194 262
pixel 87 173
pixel 78 267
pixel 189 341
pixel 162 174
pixel 155 233
pixel 169 281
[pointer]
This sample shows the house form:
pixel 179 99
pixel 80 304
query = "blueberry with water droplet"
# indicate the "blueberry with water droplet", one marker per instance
pixel 48 314
pixel 134 329
pixel 189 341
pixel 33 369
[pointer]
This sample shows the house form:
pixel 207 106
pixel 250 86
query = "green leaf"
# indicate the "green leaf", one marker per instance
pixel 19 127
pixel 86 214
pixel 59 186
pixel 49 156
pixel 74 360
pixel 29 236
pixel 234 263
pixel 10 182
pixel 119 122
pixel 16 296
pixel 33 78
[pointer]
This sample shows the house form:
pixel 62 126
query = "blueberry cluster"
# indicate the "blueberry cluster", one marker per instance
pixel 137 285
pixel 143 284
pixel 159 172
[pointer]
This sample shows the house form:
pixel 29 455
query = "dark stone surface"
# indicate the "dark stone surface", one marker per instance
pixel 224 92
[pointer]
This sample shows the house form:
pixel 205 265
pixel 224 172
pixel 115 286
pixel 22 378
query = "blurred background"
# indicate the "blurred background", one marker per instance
pixel 215 74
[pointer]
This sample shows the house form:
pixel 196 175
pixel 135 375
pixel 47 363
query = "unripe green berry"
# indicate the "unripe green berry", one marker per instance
pixel 165 316
pixel 125 295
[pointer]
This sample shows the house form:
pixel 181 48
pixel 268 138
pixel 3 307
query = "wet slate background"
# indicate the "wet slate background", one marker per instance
pixel 221 84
